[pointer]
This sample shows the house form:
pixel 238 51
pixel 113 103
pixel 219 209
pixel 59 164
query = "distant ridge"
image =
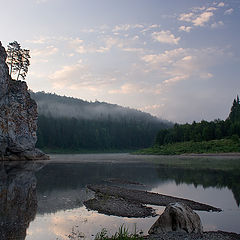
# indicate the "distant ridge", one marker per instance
pixel 72 124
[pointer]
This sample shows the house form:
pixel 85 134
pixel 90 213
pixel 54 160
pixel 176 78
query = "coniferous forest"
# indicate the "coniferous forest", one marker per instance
pixel 69 124
pixel 203 131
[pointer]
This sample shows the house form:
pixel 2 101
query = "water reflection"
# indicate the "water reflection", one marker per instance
pixel 56 204
pixel 66 183
pixel 206 178
pixel 62 190
pixel 18 201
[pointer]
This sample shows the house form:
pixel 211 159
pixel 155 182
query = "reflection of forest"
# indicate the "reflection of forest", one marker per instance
pixel 63 176
pixel 62 185
pixel 18 202
pixel 205 178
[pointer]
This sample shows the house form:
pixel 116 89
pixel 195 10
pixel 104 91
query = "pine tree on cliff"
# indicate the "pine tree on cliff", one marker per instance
pixel 18 60
pixel 21 68
pixel 235 111
pixel 12 55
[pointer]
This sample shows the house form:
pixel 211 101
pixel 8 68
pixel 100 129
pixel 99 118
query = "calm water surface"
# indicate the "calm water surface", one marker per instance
pixel 52 209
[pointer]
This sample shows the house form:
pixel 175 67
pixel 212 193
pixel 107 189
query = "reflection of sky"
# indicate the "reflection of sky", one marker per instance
pixel 89 223
pixel 227 220
pixel 60 224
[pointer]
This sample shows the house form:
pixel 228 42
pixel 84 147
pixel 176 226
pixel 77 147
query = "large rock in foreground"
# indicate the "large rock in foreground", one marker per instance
pixel 177 217
pixel 18 117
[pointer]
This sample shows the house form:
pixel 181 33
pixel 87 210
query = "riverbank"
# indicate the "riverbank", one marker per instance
pixel 224 162
pixel 220 146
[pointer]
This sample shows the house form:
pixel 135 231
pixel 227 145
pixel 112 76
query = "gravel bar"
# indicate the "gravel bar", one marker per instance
pixel 145 197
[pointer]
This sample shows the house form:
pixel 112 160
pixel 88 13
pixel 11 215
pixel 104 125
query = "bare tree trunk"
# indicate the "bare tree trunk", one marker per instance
pixel 18 73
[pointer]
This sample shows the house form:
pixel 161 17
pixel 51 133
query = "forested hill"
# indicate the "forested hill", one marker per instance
pixel 71 124
pixel 61 106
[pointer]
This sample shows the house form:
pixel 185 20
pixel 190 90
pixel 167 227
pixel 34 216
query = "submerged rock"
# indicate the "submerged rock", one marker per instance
pixel 18 117
pixel 177 217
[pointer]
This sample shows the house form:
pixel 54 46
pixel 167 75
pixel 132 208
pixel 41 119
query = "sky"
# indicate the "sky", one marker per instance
pixel 178 59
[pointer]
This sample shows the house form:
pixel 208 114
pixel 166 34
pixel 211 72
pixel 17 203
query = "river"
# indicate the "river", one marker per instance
pixel 46 199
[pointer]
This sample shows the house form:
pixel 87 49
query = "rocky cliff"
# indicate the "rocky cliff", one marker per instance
pixel 18 117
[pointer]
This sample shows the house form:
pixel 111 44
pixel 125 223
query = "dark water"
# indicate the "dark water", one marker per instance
pixel 46 202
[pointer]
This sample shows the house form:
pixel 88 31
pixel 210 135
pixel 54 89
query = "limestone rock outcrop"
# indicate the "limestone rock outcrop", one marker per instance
pixel 18 117
pixel 177 217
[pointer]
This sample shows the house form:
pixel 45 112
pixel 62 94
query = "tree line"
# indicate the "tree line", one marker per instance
pixel 203 131
pixel 83 134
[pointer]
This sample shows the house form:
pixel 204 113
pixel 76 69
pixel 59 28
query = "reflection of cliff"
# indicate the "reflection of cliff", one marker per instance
pixel 205 178
pixel 18 202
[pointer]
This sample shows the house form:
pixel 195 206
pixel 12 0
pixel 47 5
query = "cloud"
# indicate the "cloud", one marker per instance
pixel 185 28
pixel 228 12
pixel 187 17
pixel 202 19
pixel 206 75
pixel 126 27
pixel 154 108
pixel 175 79
pixel 81 47
pixel 197 9
pixel 127 88
pixel 165 37
pixel 41 1
pixel 221 4
pixel 187 58
pixel 217 24
pixel 44 52
pixel 78 77
pixel 150 28
pixel 75 41
pixel 200 16
pixel 167 57
pixel 211 9
pixel 40 40
pixel 180 64
pixel 139 50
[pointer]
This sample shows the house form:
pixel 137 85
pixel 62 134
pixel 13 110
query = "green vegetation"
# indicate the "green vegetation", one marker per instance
pixel 203 131
pixel 213 146
pixel 70 125
pixel 122 234
pixel 204 137
pixel 201 163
